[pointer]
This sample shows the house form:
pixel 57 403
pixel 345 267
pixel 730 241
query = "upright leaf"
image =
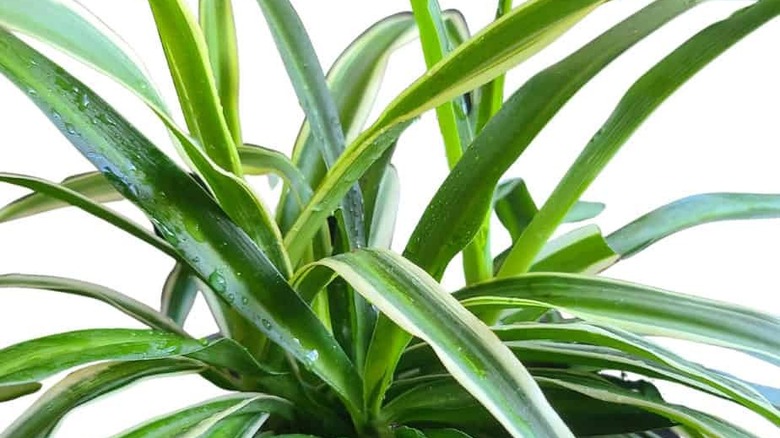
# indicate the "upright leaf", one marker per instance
pixel 309 83
pixel 647 94
pixel 528 29
pixel 464 198
pixel 188 60
pixel 219 31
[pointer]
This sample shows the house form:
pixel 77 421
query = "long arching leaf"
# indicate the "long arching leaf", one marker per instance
pixel 72 28
pixel 121 302
pixel 471 353
pixel 184 421
pixel 501 45
pixel 465 197
pixel 642 309
pixel 85 385
pixel 308 80
pixel 690 212
pixel 641 100
pixel 215 248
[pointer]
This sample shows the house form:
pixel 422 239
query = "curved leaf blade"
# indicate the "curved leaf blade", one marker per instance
pixel 690 212
pixel 642 309
pixel 220 252
pixel 465 197
pixel 189 419
pixel 641 100
pixel 92 185
pixel 474 356
pixel 188 59
pixel 75 30
pixel 121 302
pixel 308 80
pixel 85 385
pixel 76 199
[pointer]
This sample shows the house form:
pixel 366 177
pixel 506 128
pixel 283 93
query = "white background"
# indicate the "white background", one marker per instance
pixel 718 133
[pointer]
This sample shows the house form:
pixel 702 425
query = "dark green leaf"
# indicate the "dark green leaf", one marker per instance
pixel 636 106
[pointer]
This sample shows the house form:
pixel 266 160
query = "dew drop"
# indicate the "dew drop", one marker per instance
pixel 267 324
pixel 244 300
pixel 312 356
pixel 84 101
pixel 70 129
pixel 217 281
pixel 195 231
pixel 32 92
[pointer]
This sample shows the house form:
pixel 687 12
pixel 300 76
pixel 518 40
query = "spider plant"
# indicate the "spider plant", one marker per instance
pixel 323 331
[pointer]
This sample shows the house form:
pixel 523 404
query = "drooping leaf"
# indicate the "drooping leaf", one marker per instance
pixel 119 301
pixel 689 212
pixel 642 309
pixel 699 422
pixel 465 197
pixel 635 107
pixel 471 353
pixel 194 420
pixel 85 385
pixel 73 29
pixel 179 292
pixel 213 246
pixel 75 199
pixel 92 185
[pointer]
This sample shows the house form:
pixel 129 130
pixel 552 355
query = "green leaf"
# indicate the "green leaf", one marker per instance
pixel 455 126
pixel 179 292
pixel 514 205
pixel 660 361
pixel 382 228
pixel 700 422
pixel 582 211
pixel 39 358
pixel 66 195
pixel 439 399
pixel 474 356
pixel 241 426
pixel 86 385
pixel 219 32
pixel 642 309
pixel 188 60
pixel 119 301
pixel 220 252
pixel 198 419
pixel 308 80
pixel 465 197
pixel 75 30
pixel 690 212
pixel 354 81
pixel 258 160
pixel 528 29
pixel 634 108
pixel 583 250
pixel 12 391
pixel 92 185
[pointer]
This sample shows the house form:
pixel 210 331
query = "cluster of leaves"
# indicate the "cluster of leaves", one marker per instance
pixel 324 330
